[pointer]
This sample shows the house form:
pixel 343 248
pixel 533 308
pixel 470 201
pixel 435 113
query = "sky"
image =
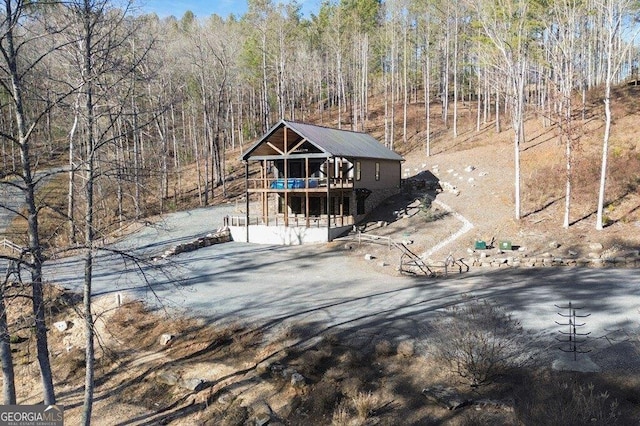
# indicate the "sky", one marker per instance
pixel 206 8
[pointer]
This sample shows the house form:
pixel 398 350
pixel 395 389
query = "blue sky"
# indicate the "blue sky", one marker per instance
pixel 205 8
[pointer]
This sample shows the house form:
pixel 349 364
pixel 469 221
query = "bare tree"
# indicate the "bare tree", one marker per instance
pixel 21 57
pixel 613 13
pixel 563 47
pixel 104 65
pixel 509 25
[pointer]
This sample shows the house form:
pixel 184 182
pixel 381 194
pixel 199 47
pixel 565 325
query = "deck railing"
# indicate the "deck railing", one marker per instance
pixel 321 221
pixel 276 184
pixel 11 245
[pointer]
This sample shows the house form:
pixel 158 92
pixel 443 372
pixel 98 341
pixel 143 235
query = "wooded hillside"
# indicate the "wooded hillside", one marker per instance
pixel 124 115
pixel 172 95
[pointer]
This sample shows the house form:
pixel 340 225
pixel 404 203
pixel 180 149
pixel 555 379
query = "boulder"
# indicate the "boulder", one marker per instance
pixel 168 378
pixel 297 380
pixel 61 326
pixel 195 384
pixel 262 413
pixel 166 339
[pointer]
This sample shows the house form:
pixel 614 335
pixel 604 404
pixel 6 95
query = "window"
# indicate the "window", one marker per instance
pixel 358 170
pixel 377 171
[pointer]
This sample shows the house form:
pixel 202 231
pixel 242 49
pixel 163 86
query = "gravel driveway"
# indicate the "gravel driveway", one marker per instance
pixel 327 288
pixel 271 285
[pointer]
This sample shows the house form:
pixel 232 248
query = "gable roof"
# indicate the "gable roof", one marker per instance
pixel 333 142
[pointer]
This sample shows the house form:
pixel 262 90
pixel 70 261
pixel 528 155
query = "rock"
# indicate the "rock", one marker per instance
pixel 593 255
pixel 297 380
pixel 276 368
pixel 193 384
pixel 407 242
pixel 288 372
pixel 262 419
pixel 554 244
pixel 166 339
pixel 168 378
pixel 469 169
pixel 572 253
pixel 595 246
pixel 225 398
pixel 382 264
pixel 61 326
pixel 446 397
pixel 262 413
pixel 369 256
pixel 263 367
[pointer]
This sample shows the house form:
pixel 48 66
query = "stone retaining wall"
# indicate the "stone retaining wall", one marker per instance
pixel 220 236
pixel 504 259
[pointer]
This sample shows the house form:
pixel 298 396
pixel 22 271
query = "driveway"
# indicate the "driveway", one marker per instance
pixel 273 285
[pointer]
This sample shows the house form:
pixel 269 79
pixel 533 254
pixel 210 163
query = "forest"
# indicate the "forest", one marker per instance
pixel 149 99
pixel 133 115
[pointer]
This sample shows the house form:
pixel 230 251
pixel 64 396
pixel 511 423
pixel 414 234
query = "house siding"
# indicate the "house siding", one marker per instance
pixel 389 175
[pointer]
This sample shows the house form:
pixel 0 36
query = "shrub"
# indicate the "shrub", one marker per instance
pixel 341 416
pixel 428 212
pixel 551 403
pixel 365 404
pixel 479 341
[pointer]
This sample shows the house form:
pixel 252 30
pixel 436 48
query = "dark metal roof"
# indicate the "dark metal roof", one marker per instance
pixel 334 142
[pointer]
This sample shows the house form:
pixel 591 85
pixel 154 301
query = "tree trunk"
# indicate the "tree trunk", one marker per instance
pixel 35 249
pixel 8 377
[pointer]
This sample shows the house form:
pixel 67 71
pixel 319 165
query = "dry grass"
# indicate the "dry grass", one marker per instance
pixel 336 372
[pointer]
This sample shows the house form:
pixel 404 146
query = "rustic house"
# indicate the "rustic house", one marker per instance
pixel 309 183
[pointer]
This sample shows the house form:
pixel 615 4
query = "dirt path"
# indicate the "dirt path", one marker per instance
pixel 466 227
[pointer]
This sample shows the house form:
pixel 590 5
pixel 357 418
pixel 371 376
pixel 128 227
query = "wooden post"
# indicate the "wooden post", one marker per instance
pixel 306 195
pixel 246 192
pixel 328 201
pixel 286 180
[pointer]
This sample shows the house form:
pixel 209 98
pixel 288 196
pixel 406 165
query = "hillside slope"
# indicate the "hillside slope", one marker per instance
pixel 480 166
